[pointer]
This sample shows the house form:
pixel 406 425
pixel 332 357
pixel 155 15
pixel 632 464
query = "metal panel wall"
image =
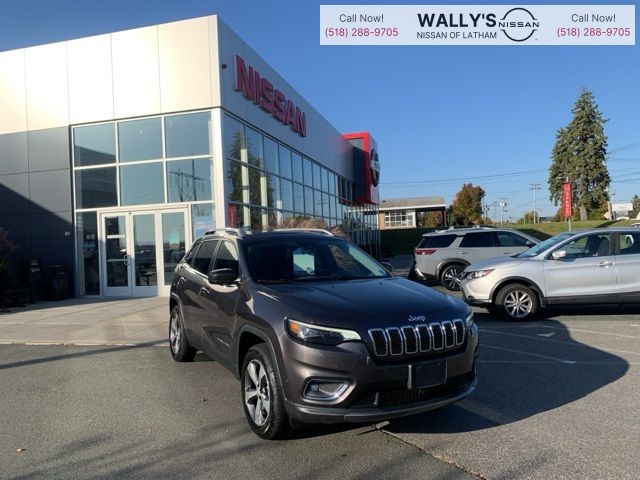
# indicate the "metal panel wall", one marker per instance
pixel 13 97
pixel 13 153
pixel 136 78
pixel 90 79
pixel 47 86
pixel 185 80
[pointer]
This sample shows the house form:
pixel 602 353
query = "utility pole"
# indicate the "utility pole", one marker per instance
pixel 534 187
pixel 503 204
pixel 495 210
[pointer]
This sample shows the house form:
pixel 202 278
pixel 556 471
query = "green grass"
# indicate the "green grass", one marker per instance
pixel 402 242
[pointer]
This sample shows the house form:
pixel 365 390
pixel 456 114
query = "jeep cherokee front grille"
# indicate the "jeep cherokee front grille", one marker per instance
pixel 413 339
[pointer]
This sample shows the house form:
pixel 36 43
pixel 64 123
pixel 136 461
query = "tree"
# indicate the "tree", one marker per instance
pixel 528 217
pixel 430 219
pixel 466 207
pixel 635 201
pixel 579 155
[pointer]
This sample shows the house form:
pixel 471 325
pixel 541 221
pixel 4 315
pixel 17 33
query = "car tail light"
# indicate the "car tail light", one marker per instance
pixel 425 251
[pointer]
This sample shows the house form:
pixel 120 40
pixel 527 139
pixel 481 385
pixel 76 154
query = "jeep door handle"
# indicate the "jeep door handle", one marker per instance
pixel 605 264
pixel 464 251
pixel 204 291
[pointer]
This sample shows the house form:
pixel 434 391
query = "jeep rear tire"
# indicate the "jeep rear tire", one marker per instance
pixel 516 302
pixel 262 397
pixel 450 276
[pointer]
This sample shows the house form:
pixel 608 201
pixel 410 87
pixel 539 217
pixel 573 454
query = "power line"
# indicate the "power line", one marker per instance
pixel 444 180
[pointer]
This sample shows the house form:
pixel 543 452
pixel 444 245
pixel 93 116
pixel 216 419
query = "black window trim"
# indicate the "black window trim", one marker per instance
pixel 213 255
pixel 493 235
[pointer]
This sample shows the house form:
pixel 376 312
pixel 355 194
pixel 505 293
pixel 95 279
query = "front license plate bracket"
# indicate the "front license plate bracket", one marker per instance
pixel 427 375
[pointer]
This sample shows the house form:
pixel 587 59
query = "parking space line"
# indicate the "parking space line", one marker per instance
pixel 568 327
pixel 546 357
pixel 561 342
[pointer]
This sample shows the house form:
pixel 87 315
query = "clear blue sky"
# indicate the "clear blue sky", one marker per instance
pixel 438 113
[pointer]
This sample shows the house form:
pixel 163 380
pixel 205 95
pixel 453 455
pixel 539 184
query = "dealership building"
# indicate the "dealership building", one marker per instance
pixel 117 151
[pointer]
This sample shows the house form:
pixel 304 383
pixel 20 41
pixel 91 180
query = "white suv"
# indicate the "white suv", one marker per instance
pixel 444 254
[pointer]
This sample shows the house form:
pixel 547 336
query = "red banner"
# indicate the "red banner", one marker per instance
pixel 566 200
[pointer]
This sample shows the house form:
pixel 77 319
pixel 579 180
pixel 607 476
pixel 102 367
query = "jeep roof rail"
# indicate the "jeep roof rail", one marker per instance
pixel 320 231
pixel 238 232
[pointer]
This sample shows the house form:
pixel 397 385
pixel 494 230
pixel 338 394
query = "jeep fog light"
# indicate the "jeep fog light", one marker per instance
pixel 326 390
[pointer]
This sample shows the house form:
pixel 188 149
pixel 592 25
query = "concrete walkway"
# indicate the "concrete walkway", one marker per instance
pixel 88 322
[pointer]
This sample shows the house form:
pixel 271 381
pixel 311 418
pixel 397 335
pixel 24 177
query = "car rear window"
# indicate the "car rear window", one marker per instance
pixel 480 239
pixel 437 241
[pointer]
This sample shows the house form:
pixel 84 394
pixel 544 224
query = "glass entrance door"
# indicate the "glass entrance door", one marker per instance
pixel 140 250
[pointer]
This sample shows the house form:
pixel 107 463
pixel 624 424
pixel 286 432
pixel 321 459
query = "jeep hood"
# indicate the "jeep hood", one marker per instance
pixel 364 303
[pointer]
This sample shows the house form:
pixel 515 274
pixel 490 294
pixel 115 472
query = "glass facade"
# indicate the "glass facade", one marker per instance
pixel 158 162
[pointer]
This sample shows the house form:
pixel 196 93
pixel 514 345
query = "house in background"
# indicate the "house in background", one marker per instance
pixel 406 212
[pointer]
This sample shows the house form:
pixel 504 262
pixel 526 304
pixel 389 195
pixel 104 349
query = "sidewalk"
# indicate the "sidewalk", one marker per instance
pixel 88 321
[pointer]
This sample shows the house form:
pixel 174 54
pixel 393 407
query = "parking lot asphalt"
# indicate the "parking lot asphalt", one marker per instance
pixel 87 412
pixel 557 397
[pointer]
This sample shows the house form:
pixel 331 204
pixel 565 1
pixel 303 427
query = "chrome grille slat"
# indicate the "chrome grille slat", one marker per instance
pixel 420 338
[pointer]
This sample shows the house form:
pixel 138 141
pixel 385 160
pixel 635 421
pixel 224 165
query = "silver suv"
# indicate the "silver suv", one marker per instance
pixel 444 254
pixel 587 267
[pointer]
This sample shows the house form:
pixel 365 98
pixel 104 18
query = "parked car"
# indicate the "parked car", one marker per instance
pixel 588 267
pixel 444 254
pixel 635 224
pixel 317 331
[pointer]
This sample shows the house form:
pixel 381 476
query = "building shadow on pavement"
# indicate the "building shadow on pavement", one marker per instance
pixel 521 372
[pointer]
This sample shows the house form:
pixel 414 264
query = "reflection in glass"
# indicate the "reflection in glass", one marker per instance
pixel 96 188
pixel 237 216
pixel 173 242
pixel 202 218
pixel 317 202
pixel 94 145
pixel 141 184
pixel 298 198
pixel 286 192
pixel 296 161
pixel 144 250
pixel 325 205
pixel 116 251
pixel 308 172
pixel 189 180
pixel 233 138
pixel 317 182
pixel 255 186
pixel 237 181
pixel 140 140
pixel 332 183
pixel 188 135
pixel 308 201
pixel 254 148
pixel 285 162
pixel 258 219
pixel 271 155
pixel 88 261
pixel 273 192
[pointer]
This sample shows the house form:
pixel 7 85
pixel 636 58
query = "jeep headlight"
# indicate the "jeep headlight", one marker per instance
pixel 478 274
pixel 321 335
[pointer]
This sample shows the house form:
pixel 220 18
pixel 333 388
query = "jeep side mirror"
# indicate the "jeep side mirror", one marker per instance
pixel 221 276
pixel 387 266
pixel 559 254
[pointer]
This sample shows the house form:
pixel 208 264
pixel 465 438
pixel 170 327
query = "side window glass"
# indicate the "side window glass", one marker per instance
pixel 508 239
pixel 589 246
pixel 203 257
pixel 476 240
pixel 227 257
pixel 304 261
pixel 629 243
pixel 192 252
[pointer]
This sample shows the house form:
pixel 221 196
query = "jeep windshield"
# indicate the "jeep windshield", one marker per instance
pixel 542 246
pixel 306 259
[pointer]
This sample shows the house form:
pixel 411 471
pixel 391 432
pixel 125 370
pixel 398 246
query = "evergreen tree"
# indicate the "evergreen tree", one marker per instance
pixel 579 155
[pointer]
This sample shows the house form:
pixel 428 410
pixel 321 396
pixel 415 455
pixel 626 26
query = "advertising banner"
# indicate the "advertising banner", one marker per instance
pixel 566 200
pixel 477 25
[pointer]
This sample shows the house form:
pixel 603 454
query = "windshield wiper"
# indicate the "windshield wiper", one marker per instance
pixel 342 277
pixel 274 281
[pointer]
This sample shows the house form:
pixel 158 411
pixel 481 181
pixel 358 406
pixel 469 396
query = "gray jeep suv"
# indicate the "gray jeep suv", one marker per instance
pixel 317 331
pixel 444 254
